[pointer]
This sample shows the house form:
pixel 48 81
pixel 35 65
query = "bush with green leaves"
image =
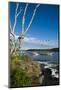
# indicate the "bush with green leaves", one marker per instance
pixel 22 71
pixel 19 78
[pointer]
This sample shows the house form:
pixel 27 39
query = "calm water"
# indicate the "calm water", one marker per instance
pixel 54 58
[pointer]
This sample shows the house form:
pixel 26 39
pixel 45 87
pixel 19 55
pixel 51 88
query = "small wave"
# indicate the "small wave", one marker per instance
pixel 54 74
pixel 35 54
pixel 46 63
pixel 51 67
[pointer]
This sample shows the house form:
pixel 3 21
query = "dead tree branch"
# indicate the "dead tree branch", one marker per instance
pixel 32 18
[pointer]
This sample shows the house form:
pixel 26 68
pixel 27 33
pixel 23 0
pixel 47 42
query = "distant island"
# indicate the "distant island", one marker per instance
pixel 52 49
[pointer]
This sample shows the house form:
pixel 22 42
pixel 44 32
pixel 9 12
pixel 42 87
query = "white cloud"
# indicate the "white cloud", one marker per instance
pixel 38 42
pixel 35 41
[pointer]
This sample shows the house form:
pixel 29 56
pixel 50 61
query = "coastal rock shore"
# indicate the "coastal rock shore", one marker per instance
pixel 47 78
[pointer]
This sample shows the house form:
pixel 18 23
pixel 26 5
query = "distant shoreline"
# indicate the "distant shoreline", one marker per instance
pixel 52 49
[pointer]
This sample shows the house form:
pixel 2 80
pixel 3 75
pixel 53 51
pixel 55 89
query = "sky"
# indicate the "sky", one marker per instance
pixel 43 32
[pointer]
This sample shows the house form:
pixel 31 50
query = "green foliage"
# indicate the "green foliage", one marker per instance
pixel 22 70
pixel 19 78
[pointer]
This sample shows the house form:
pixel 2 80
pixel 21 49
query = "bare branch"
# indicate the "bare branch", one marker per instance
pixel 32 18
pixel 23 19
pixel 16 15
pixel 19 12
pixel 25 11
pixel 17 8
pixel 15 23
pixel 11 31
pixel 10 26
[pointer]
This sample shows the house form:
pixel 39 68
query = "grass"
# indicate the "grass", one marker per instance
pixel 23 71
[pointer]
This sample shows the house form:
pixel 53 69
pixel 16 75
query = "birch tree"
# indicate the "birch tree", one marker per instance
pixel 23 32
pixel 12 30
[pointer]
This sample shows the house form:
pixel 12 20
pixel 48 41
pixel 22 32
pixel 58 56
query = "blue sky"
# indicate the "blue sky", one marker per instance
pixel 43 32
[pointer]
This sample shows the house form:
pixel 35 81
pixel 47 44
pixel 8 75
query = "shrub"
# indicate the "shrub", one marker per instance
pixel 22 70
